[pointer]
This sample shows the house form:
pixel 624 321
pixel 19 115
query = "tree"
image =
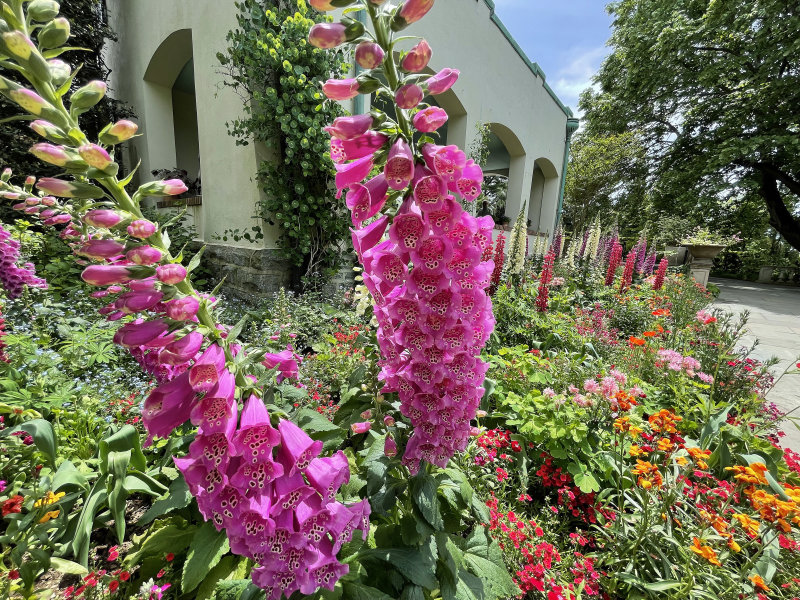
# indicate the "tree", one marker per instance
pixel 713 91
pixel 606 174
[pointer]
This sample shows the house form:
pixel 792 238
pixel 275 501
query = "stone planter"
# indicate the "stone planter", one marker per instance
pixel 676 255
pixel 703 260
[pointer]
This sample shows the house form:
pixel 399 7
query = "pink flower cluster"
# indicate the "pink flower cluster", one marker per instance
pixel 12 277
pixel 661 273
pixel 613 262
pixel 267 487
pixel 675 361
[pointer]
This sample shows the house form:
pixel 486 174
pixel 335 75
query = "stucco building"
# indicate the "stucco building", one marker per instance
pixel 164 65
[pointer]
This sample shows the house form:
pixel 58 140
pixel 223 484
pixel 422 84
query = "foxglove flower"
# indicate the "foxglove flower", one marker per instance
pixel 418 58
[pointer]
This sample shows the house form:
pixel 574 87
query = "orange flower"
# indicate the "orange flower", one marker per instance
pixel 623 425
pixel 634 341
pixel 699 457
pixel 662 312
pixel 636 450
pixel 648 474
pixel 719 524
pixel 733 545
pixel 706 552
pixel 665 445
pixel 664 420
pixel 649 334
pixel 758 581
pixel 753 474
pixel 49 515
pixel 748 524
pixel 682 461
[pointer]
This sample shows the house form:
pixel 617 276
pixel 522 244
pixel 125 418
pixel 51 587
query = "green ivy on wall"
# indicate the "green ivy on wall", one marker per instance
pixel 279 75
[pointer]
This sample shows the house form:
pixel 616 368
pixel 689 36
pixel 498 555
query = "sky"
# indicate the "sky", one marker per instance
pixel 566 37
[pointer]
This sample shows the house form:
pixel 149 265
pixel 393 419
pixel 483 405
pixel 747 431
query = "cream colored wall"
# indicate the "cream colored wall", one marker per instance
pixel 228 171
pixel 496 86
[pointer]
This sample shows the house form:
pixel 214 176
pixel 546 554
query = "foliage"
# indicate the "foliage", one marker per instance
pixel 271 64
pixel 709 92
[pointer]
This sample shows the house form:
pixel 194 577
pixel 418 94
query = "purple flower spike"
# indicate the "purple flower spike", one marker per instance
pixel 328 474
pixel 168 406
pixel 256 437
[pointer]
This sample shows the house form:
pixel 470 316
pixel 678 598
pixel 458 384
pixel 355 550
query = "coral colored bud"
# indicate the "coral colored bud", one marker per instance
pixel 361 427
pixel 168 187
pixel 389 421
pixel 68 189
pixel 366 415
pixel 144 255
pixel 54 34
pixel 340 89
pixel 141 229
pixel 183 309
pixel 102 217
pixel 322 5
pixel 95 156
pixel 118 132
pixel 442 81
pixel 430 119
pixel 100 249
pixel 390 447
pixel 171 274
pixel 89 95
pixel 369 55
pixel 409 96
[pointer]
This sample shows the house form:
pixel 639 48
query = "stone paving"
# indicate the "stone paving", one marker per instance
pixel 775 322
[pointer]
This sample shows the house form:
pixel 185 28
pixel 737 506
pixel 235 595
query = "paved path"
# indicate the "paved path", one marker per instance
pixel 775 323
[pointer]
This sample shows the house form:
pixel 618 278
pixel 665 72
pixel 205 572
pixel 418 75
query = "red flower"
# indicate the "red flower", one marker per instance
pixel 515 446
pixel 112 587
pixel 124 576
pixel 12 505
pixel 13 574
pixel 170 557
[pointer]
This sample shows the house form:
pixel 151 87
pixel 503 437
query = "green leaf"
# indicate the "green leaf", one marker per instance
pixel 713 426
pixel 195 262
pixel 177 498
pixel 83 530
pixel 424 492
pixel 67 566
pixel 207 548
pixel 358 591
pixel 169 535
pixel 43 436
pixel 127 438
pixel 226 567
pixel 416 565
pixel 662 586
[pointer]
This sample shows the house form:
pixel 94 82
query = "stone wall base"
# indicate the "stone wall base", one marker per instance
pixel 248 272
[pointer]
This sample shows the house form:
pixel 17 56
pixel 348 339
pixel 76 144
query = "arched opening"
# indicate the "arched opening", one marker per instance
pixel 504 174
pixel 544 196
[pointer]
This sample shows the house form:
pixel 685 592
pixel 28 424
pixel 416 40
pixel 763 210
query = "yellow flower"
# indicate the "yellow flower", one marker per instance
pixel 706 552
pixel 636 450
pixel 733 545
pixel 681 460
pixel 49 515
pixel 749 525
pixel 758 582
pixel 49 499
pixel 753 474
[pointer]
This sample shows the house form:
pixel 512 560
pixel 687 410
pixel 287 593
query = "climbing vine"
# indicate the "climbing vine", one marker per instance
pixel 279 75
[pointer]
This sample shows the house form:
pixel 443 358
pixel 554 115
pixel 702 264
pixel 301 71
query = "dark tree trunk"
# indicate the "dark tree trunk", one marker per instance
pixel 779 216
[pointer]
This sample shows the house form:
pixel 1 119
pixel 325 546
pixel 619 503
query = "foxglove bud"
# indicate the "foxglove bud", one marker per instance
pixel 167 187
pixel 115 133
pixel 58 220
pixel 411 12
pixel 326 5
pixel 183 309
pixel 49 131
pixel 361 427
pixel 88 96
pixel 6 175
pixel 390 447
pixel 330 35
pixel 141 229
pixel 144 255
pixel 369 55
pixel 418 58
pixel 171 274
pixel 409 96
pixel 102 275
pixel 101 249
pixel 19 45
pixel 102 217
pixel 68 189
pixel 59 71
pixel 341 89
pixel 30 101
pixel 442 81
pixel 53 155
pixel 95 156
pixel 389 421
pixel 48 201
pixel 366 415
pixel 43 10
pixel 54 34
pixel 430 119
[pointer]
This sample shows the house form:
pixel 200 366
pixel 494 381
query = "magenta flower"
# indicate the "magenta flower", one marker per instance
pixel 413 10
pixel 369 55
pixel 181 350
pixel 167 407
pixel 347 128
pixel 658 283
pixel 171 274
pixel 359 147
pixel 409 96
pixel 442 81
pixel 183 309
pixel 54 155
pixel 286 363
pixel 399 169
pixel 102 217
pixel 102 275
pixel 168 187
pixel 134 302
pixel 340 89
pixel 142 229
pixel 361 427
pixel 327 35
pixel 351 173
pixel 144 255
pixel 366 200
pixel 418 58
pixel 430 119
pixel 101 249
pixel 139 333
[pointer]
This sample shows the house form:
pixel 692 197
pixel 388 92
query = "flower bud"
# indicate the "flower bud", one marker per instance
pixel 411 12
pixel 182 349
pixel 430 119
pixel 183 309
pixel 59 71
pixel 481 414
pixel 168 187
pixel 95 156
pixel 366 415
pixel 417 59
pixel 141 229
pixel 54 34
pixel 19 45
pixel 88 96
pixel 32 210
pixel 348 128
pixel 102 275
pixel 43 10
pixel 326 5
pixel 30 101
pixel 47 213
pixel 101 249
pixel 442 81
pixel 68 189
pixel 389 421
pixel 144 255
pixel 115 133
pixel 58 220
pixel 390 447
pixel 330 35
pixel 102 217
pixel 52 155
pixel 20 206
pixel 48 201
pixel 171 274
pixel 369 55
pixel 48 131
pixel 361 427
pixel 340 89
pixel 6 174
pixel 409 96
pixel 134 302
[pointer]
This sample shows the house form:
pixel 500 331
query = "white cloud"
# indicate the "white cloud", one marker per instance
pixel 576 75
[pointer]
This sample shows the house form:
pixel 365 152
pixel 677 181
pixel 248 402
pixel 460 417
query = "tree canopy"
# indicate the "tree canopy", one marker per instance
pixel 711 89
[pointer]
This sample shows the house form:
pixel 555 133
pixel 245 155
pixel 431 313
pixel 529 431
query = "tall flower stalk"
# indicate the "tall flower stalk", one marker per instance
pixel 661 273
pixel 260 479
pixel 421 252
